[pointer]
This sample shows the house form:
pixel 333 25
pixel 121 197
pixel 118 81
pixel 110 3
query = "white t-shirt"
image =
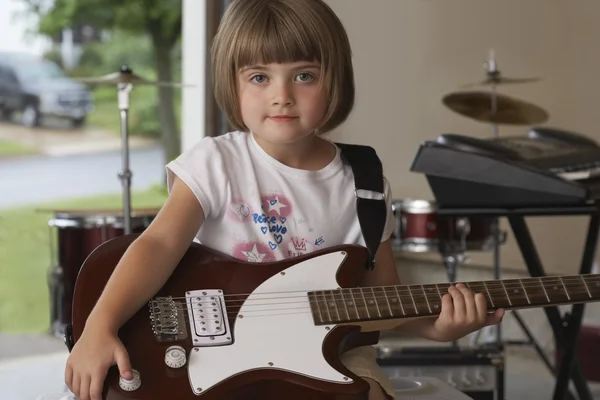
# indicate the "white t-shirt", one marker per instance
pixel 258 209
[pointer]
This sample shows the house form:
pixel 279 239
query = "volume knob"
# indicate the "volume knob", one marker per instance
pixel 130 385
pixel 175 357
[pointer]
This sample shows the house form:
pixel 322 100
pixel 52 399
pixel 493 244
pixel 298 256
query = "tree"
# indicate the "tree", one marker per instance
pixel 160 19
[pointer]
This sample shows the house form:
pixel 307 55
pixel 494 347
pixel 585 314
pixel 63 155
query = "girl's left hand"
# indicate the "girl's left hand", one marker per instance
pixel 463 312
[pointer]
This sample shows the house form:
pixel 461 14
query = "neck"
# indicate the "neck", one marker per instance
pixel 392 303
pixel 307 153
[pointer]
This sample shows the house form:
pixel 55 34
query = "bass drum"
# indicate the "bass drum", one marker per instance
pixel 78 233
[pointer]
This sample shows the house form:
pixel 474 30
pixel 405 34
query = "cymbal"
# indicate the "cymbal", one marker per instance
pixel 125 75
pixel 510 111
pixel 500 80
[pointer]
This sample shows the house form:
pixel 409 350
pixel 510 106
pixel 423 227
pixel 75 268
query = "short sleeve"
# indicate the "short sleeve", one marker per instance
pixel 390 221
pixel 201 168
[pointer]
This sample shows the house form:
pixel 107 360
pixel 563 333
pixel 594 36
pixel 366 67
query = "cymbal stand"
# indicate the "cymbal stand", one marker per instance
pixel 493 73
pixel 124 90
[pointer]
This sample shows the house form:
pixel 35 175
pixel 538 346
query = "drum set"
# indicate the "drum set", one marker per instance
pixel 419 226
pixel 79 232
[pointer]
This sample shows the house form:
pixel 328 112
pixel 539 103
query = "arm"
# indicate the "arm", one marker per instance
pixel 150 259
pixel 462 311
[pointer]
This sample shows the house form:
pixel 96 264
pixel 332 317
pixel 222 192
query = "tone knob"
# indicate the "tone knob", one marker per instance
pixel 175 357
pixel 130 385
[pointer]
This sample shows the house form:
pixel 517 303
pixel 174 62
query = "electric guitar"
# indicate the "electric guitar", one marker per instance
pixel 221 328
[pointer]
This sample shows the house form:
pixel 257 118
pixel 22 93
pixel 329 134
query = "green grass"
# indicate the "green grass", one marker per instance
pixel 25 258
pixel 8 148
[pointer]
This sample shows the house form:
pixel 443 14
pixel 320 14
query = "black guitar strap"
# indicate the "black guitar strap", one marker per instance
pixel 370 196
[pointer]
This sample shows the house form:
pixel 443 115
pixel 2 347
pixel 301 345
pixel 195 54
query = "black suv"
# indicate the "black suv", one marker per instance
pixel 37 87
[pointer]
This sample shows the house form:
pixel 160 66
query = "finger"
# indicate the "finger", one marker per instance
pixel 69 377
pixel 460 313
pixel 97 384
pixel 470 308
pixel 481 306
pixel 76 380
pixel 123 363
pixel 447 306
pixel 495 317
pixel 84 387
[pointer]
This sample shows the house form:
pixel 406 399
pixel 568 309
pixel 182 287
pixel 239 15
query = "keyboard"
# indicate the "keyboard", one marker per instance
pixel 545 167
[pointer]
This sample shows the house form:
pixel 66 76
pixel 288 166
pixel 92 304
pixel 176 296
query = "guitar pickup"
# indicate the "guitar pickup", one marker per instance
pixel 207 313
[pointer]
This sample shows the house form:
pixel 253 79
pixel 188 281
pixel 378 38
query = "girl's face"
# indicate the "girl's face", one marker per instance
pixel 282 103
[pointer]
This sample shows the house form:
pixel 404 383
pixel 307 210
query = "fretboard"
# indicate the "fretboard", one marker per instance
pixel 406 301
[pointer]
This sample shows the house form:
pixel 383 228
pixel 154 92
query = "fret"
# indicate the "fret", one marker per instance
pixel 490 299
pixel 554 289
pixel 412 298
pixel 524 291
pixel 434 298
pixel 426 299
pixel 593 284
pixel 407 300
pixel 565 288
pixel 586 286
pixel 324 298
pixel 498 294
pixel 575 288
pixel 383 300
pixel 393 299
pixel 545 292
pixel 345 304
pixel 370 302
pixel 376 300
pixel 315 306
pixel 359 304
pixel 507 296
pixel 400 300
pixel 516 292
pixel 355 304
pixel 419 299
pixel 333 305
pixel 365 302
pixel 534 291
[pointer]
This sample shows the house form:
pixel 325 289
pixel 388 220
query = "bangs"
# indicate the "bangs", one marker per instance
pixel 269 38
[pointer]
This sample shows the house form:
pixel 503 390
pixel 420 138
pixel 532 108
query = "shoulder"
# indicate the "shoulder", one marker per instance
pixel 212 149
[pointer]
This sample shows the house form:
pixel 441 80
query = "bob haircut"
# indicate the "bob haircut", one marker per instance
pixel 277 31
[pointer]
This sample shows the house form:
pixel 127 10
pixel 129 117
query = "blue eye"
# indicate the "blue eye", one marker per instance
pixel 305 77
pixel 258 79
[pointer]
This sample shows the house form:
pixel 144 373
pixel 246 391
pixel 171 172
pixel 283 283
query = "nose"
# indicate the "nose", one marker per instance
pixel 283 94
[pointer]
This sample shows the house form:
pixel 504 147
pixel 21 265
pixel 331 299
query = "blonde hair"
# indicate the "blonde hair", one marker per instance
pixel 278 31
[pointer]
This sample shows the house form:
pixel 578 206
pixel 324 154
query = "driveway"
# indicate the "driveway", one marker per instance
pixel 72 163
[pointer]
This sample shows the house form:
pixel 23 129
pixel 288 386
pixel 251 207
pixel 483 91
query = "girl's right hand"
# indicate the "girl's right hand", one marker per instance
pixel 91 357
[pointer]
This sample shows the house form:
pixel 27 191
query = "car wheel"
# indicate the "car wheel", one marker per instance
pixel 6 114
pixel 78 122
pixel 31 116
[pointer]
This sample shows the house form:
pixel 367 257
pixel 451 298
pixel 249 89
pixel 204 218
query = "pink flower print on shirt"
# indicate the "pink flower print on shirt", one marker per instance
pixel 253 252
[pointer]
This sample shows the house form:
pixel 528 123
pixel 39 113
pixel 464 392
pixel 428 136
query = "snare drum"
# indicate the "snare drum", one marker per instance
pixel 419 229
pixel 78 233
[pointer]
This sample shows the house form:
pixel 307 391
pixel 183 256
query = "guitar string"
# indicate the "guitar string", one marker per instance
pixel 527 282
pixel 417 296
pixel 372 307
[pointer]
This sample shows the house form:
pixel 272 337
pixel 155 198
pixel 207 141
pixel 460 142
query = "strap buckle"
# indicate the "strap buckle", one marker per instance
pixel 368 194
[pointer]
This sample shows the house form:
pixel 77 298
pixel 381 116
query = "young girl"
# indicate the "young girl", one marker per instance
pixel 283 75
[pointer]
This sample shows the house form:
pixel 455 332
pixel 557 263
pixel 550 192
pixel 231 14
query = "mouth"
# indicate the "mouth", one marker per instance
pixel 282 118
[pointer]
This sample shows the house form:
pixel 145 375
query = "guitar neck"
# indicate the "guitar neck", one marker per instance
pixel 364 304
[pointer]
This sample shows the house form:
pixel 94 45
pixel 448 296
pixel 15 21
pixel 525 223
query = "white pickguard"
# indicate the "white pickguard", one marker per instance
pixel 275 328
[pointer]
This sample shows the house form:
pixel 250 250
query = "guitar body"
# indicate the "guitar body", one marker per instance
pixel 266 347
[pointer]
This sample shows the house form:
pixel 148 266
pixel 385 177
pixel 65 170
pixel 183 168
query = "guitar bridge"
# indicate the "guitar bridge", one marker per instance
pixel 167 319
pixel 207 313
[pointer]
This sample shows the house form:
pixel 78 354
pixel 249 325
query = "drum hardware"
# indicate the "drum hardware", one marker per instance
pixel 78 233
pixel 124 80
